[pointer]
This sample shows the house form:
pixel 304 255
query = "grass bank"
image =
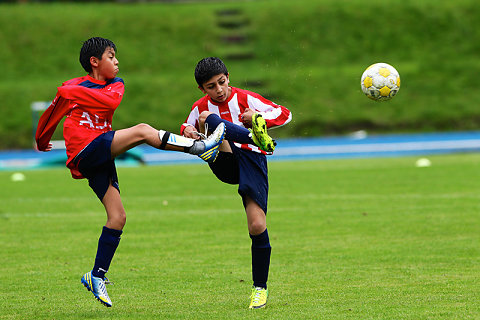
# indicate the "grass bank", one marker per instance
pixel 307 55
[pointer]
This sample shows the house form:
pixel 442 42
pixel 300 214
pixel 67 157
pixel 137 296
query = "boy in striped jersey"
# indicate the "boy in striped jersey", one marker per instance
pixel 242 157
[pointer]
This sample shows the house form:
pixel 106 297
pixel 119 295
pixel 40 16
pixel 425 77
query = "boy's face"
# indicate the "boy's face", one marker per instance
pixel 107 67
pixel 217 87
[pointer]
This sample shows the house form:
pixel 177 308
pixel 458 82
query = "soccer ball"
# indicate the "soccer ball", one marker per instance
pixel 380 82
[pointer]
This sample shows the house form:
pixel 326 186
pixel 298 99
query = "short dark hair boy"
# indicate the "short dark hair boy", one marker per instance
pixel 242 157
pixel 89 102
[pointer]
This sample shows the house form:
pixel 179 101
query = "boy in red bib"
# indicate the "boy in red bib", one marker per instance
pixel 88 103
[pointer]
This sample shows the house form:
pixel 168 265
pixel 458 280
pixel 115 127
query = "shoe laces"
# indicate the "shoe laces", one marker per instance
pixel 204 136
pixel 106 281
pixel 101 289
pixel 256 294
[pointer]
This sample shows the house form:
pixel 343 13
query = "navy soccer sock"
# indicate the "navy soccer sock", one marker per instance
pixel 107 244
pixel 261 251
pixel 233 133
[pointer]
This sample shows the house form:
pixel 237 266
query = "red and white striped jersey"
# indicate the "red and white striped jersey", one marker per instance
pixel 231 110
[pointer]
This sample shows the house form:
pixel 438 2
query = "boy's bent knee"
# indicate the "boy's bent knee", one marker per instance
pixel 203 116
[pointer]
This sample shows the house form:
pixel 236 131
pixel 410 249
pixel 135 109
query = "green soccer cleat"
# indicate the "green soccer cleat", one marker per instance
pixel 259 134
pixel 97 286
pixel 258 298
pixel 212 144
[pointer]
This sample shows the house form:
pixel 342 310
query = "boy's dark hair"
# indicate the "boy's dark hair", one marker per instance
pixel 94 47
pixel 207 68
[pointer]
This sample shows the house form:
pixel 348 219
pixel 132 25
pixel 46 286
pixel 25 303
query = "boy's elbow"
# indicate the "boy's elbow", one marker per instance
pixel 289 118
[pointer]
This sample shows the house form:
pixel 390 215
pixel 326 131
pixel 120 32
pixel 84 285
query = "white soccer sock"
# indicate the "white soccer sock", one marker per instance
pixel 191 146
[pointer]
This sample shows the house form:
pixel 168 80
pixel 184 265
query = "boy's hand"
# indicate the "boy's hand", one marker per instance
pixel 191 132
pixel 246 117
pixel 48 148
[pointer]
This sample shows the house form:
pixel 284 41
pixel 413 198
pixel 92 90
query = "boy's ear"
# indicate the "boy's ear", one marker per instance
pixel 201 89
pixel 94 61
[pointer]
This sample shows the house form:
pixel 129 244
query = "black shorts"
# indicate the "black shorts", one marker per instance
pixel 246 168
pixel 96 164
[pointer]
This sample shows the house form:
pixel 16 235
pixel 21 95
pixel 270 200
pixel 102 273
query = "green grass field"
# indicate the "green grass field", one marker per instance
pixel 352 239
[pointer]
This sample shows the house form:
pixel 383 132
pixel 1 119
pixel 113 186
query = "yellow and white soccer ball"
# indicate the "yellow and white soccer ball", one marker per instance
pixel 380 82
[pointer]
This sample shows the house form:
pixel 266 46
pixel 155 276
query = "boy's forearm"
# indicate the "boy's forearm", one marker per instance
pixel 277 117
pixel 48 123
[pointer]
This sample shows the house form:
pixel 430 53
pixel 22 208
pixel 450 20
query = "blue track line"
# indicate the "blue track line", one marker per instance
pixel 354 146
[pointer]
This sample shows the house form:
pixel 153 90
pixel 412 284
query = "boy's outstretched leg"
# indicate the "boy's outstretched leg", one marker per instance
pixel 126 139
pixel 234 132
pixel 257 135
pixel 206 149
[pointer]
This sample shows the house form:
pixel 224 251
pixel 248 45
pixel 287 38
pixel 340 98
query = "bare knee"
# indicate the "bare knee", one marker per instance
pixel 117 221
pixel 256 227
pixel 142 130
pixel 122 219
pixel 203 117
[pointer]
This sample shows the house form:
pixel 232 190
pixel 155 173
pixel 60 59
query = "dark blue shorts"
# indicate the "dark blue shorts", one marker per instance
pixel 246 168
pixel 96 164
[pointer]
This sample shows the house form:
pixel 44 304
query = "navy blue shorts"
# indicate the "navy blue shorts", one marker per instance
pixel 96 164
pixel 246 168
